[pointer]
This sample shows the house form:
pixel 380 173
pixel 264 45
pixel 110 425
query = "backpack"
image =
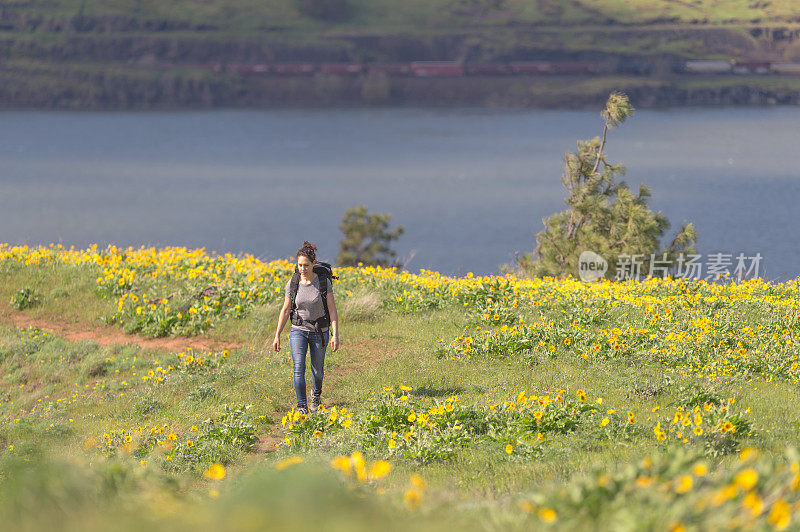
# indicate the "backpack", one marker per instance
pixel 324 272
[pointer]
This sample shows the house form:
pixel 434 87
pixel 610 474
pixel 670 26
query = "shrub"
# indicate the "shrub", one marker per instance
pixel 25 298
pixel 222 437
pixel 367 238
pixel 202 392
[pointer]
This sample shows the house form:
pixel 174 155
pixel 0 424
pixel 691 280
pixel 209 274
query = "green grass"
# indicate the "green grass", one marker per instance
pixel 59 398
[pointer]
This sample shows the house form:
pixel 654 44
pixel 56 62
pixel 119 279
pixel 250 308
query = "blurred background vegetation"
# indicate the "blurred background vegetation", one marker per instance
pixel 140 54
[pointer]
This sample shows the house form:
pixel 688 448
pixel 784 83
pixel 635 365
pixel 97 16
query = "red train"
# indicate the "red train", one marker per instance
pixel 293 69
pixel 531 67
pixel 395 69
pixel 439 69
pixel 442 69
pixel 341 68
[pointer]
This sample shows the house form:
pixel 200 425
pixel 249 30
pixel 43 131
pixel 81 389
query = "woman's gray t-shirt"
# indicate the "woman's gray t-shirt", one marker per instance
pixel 309 302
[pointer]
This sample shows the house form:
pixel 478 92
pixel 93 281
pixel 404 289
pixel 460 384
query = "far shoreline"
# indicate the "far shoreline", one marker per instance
pixel 326 92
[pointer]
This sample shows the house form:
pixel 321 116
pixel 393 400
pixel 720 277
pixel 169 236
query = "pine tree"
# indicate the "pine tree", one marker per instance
pixel 367 238
pixel 603 215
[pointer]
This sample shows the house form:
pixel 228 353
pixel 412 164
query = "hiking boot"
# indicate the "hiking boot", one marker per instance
pixel 302 410
pixel 316 400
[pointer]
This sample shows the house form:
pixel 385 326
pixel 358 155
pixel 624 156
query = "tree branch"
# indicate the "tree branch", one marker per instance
pixel 600 149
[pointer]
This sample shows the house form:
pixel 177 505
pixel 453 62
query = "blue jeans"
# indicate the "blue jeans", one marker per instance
pixel 299 342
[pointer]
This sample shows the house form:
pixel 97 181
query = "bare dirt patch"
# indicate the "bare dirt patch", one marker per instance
pixel 267 443
pixel 363 353
pixel 109 335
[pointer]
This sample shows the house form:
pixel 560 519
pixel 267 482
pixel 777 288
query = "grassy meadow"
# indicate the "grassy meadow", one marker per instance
pixel 139 389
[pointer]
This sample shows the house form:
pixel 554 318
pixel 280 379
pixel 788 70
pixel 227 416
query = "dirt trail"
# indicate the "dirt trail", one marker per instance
pixel 108 335
pixel 367 354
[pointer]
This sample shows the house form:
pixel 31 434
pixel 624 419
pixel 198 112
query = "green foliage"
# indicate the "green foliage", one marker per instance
pixel 26 342
pixel 147 406
pixel 475 9
pixel 197 294
pixel 55 492
pixel 496 314
pixel 603 216
pixel 643 346
pixel 303 429
pixel 715 428
pixel 403 301
pixel 25 298
pixel 518 342
pixel 233 427
pixel 327 10
pixel 367 238
pixel 189 314
pixel 221 438
pixel 494 303
pixel 694 395
pixel 404 428
pixel 202 392
pixel 681 489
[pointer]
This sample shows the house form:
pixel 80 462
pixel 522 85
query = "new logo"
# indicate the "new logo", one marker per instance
pixel 591 266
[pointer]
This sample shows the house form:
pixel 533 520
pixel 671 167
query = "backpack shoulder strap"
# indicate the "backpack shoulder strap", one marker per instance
pixel 323 284
pixel 294 284
pixel 322 278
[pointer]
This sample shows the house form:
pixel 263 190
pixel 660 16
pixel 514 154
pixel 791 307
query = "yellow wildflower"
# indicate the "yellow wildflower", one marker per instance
pixel 288 462
pixel 215 471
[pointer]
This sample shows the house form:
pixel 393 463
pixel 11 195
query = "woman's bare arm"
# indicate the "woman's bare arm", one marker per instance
pixel 334 341
pixel 284 315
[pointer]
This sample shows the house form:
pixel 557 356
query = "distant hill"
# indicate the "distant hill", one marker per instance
pixel 382 15
pixel 142 54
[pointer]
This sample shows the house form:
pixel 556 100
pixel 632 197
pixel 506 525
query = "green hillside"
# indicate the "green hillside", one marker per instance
pixel 142 54
pixel 486 403
pixel 412 15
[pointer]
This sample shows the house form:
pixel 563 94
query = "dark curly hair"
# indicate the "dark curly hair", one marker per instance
pixel 308 250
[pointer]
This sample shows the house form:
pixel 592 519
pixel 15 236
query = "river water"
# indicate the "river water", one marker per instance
pixel 470 186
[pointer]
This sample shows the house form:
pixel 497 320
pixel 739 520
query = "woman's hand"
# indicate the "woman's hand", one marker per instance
pixel 335 342
pixel 276 343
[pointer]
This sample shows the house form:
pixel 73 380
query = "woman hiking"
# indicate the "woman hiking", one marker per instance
pixel 310 324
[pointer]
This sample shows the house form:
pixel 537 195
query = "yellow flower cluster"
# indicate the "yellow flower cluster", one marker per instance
pixel 415 493
pixel 682 322
pixel 356 465
pixel 140 438
pixel 398 424
pixel 681 488
pixel 713 424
